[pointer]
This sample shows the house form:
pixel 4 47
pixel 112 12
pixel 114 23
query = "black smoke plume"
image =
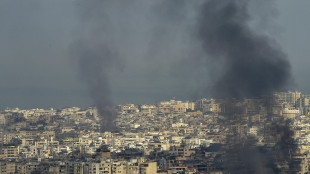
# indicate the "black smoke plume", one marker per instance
pixel 95 62
pixel 135 33
pixel 248 65
pixel 97 56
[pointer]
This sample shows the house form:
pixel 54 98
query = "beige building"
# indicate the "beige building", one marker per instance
pixel 2 119
pixel 175 106
pixel 288 97
pixel 100 168
pixel 133 168
pixel 7 167
pixel 148 109
pixel 290 112
pixel 9 152
pixel 119 167
pixel 148 168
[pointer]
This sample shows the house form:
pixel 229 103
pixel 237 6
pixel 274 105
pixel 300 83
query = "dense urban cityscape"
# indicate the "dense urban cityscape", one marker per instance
pixel 169 137
pixel 87 87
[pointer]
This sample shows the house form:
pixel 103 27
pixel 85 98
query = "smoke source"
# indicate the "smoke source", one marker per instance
pixel 248 65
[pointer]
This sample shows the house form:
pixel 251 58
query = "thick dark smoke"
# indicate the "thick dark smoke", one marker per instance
pixel 120 35
pixel 95 61
pixel 247 65
pixel 157 33
pixel 97 56
pixel 250 64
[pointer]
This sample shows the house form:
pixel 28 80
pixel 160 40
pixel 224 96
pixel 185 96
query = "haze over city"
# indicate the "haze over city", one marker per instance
pixel 37 69
pixel 154 87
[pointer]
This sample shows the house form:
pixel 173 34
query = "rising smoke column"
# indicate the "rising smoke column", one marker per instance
pixel 251 65
pixel 247 65
pixel 135 33
pixel 96 56
pixel 95 62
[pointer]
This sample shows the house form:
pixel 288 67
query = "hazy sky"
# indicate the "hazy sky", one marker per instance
pixel 37 69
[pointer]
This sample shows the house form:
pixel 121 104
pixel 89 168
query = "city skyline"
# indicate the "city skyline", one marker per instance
pixel 171 136
pixel 154 87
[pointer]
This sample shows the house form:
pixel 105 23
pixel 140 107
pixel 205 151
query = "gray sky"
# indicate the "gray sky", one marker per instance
pixel 36 69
